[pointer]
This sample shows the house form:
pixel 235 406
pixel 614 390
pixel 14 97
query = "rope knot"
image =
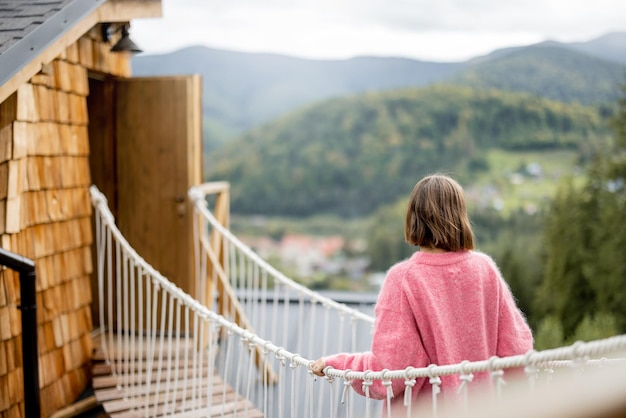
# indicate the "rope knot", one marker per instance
pixel 530 368
pixel 434 380
pixel 496 375
pixel 408 390
pixel 387 383
pixel 367 383
pixel 292 362
pixel 330 379
pixel 579 359
pixel 279 356
pixel 347 383
pixel 465 380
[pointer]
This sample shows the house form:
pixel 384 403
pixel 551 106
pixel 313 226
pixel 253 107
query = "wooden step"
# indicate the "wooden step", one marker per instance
pixel 186 399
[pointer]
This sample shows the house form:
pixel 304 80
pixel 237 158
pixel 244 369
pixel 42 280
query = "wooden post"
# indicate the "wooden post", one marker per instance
pixel 217 255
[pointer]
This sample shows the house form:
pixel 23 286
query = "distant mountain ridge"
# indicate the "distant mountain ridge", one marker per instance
pixel 547 70
pixel 244 90
pixel 611 47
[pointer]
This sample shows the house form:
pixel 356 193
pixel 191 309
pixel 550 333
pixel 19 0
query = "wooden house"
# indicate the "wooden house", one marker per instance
pixel 71 116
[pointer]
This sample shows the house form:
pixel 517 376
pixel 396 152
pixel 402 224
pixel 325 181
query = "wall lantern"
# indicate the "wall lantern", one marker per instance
pixel 124 44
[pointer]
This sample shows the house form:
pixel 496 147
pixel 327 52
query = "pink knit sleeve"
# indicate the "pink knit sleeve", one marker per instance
pixel 395 343
pixel 514 334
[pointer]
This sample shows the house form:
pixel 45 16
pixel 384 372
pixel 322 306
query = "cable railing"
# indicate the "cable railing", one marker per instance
pixel 179 354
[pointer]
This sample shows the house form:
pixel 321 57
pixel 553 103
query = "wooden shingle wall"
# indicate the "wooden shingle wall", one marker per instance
pixel 45 215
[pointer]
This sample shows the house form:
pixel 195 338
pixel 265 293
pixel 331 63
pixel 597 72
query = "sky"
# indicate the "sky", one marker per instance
pixel 430 30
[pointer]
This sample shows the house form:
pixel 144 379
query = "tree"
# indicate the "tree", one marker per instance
pixel 585 237
pixel 565 292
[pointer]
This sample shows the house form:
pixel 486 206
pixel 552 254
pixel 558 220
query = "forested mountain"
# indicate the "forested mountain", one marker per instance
pixel 352 155
pixel 244 90
pixel 549 71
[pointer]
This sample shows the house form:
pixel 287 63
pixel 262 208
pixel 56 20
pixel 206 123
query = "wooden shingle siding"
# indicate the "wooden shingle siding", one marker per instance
pixel 45 215
pixel 48 51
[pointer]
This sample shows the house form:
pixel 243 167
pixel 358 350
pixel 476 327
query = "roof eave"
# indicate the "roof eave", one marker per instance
pixel 25 59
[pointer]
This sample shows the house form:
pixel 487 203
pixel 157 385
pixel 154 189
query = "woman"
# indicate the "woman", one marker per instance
pixel 445 304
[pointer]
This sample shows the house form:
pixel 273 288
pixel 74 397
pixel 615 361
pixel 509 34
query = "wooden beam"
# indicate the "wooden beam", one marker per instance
pixel 77 408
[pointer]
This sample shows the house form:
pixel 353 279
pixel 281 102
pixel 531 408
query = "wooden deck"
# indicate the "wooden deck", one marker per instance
pixel 187 379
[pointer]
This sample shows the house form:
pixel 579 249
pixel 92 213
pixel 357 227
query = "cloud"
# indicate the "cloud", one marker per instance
pixel 446 30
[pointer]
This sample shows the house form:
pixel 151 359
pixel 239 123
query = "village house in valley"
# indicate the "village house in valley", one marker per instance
pixel 71 116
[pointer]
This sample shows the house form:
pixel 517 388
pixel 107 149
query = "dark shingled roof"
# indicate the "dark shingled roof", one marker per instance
pixel 27 27
pixel 18 18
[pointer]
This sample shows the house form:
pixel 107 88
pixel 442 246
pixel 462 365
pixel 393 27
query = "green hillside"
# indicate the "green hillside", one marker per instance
pixel 553 72
pixel 351 155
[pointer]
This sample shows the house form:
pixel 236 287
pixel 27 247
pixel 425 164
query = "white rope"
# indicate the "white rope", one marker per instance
pixel 435 382
pixel 367 383
pixel 198 197
pixel 110 287
pixel 158 288
pixel 100 258
pixel 294 397
pixel 389 391
pixel 226 369
pixel 170 331
pixel 125 361
pixel 265 383
pixel 251 346
pixel 300 330
pixel 263 330
pixel 162 322
pixel 151 290
pixel 186 357
pixel 332 412
pixel 324 349
pixel 466 378
pixel 281 380
pixel 140 329
pixel 212 330
pixel 408 392
pixel 120 318
pixel 308 404
pixel 312 327
pixel 347 384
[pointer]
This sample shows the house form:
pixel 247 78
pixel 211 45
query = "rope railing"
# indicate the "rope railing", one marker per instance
pixel 198 196
pixel 178 354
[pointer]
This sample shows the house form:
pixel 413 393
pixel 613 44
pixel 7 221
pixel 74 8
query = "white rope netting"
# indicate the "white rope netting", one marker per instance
pixel 267 363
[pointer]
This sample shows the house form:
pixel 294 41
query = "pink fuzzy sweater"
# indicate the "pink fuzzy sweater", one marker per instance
pixel 439 308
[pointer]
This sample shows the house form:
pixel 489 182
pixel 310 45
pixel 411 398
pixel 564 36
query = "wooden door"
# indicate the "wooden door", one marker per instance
pixel 158 136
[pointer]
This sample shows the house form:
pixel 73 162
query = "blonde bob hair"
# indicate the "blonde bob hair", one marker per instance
pixel 436 215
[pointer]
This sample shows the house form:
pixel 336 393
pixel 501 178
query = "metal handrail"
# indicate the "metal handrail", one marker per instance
pixel 30 356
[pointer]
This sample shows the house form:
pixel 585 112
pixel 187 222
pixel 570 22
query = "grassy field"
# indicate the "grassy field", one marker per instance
pixel 522 180
pixel 515 180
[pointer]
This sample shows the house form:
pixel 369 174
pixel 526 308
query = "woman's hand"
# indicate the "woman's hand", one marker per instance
pixel 317 367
